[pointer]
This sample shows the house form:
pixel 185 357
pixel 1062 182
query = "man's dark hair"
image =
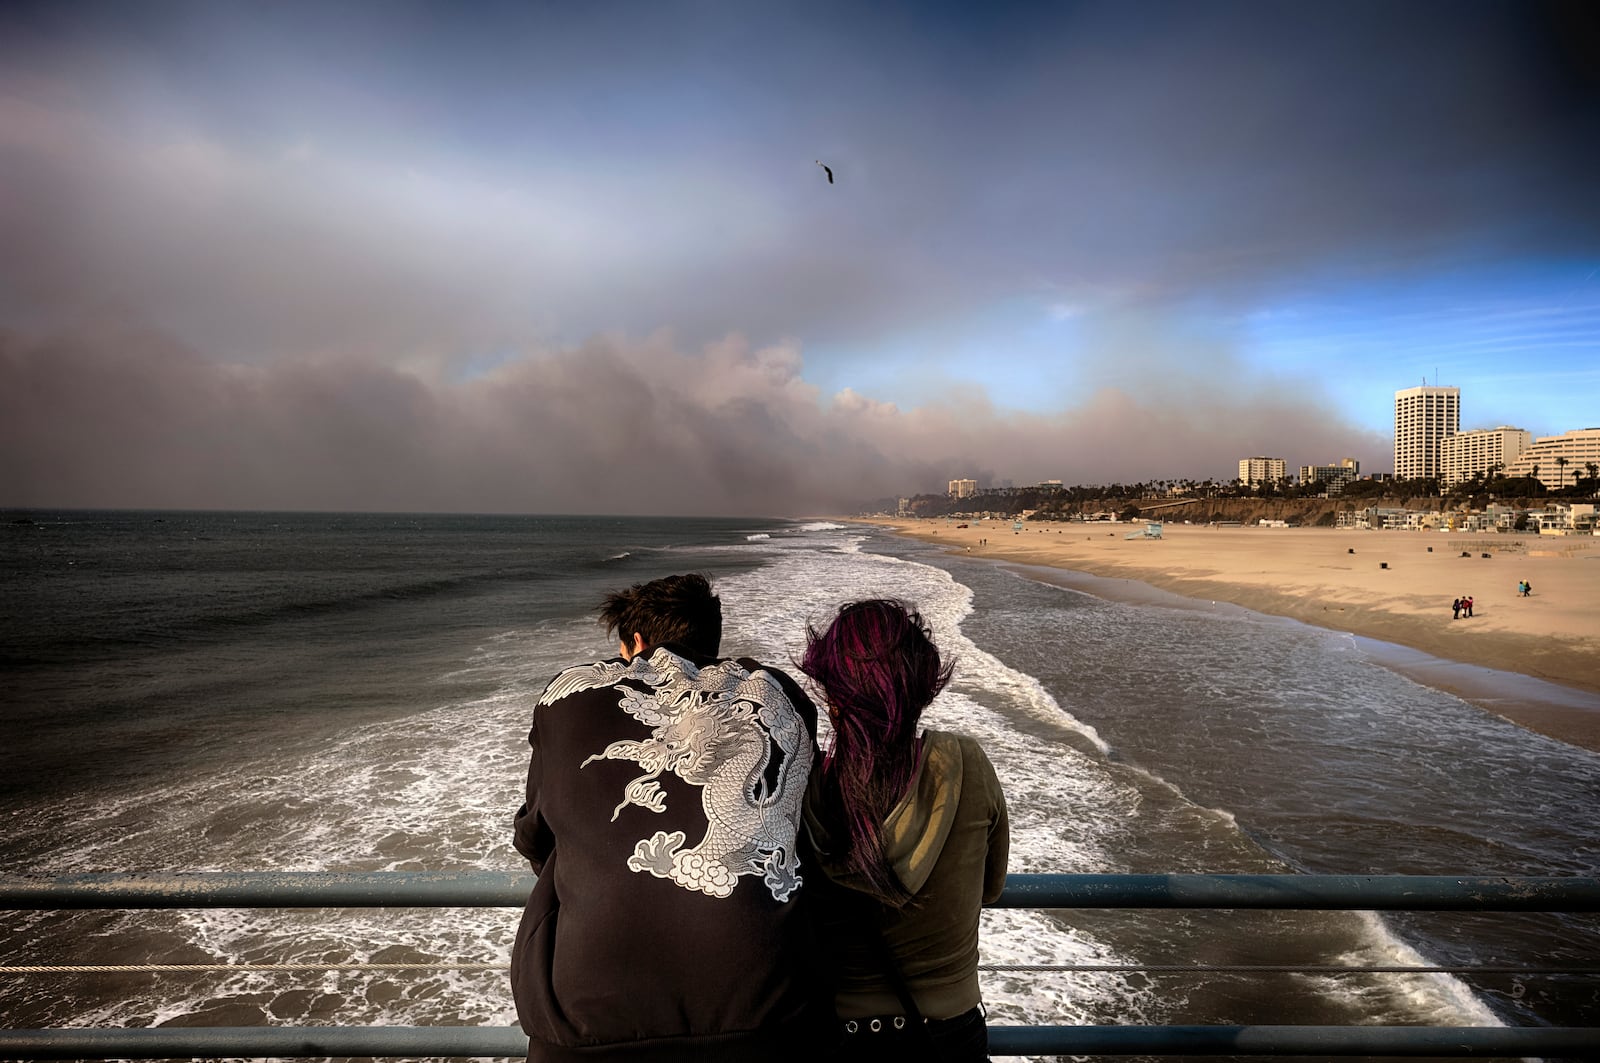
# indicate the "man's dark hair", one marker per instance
pixel 678 609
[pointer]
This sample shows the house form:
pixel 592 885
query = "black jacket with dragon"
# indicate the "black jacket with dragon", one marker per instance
pixel 664 797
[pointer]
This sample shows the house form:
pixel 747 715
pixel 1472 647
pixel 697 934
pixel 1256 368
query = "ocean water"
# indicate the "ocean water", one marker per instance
pixel 192 692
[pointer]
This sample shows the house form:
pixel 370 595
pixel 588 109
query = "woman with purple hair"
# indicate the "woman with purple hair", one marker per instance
pixel 910 833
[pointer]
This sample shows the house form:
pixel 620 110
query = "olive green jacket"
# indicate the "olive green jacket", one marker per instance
pixel 948 840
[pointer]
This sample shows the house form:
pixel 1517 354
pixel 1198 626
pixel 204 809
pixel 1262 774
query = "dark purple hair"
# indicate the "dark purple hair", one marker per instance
pixel 878 669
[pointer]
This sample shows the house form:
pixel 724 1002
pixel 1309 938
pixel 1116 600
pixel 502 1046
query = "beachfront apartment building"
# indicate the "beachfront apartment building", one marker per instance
pixel 1481 451
pixel 1423 418
pixel 1580 448
pixel 1253 471
pixel 1333 477
pixel 1562 519
pixel 963 488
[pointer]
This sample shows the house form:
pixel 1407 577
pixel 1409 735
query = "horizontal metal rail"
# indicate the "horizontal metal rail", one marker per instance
pixel 493 889
pixel 466 889
pixel 270 889
pixel 503 967
pixel 482 1042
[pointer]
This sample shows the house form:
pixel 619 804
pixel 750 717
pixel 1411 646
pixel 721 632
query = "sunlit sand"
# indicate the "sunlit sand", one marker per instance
pixel 1392 586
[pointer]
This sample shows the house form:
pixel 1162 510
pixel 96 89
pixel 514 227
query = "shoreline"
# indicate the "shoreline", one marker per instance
pixel 1533 661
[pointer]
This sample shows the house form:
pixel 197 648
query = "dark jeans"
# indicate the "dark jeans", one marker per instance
pixel 963 1039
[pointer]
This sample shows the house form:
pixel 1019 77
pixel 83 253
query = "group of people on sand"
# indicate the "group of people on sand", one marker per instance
pixel 714 885
pixel 1462 606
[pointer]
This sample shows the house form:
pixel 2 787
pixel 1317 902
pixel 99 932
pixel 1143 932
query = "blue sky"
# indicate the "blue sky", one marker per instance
pixel 1521 339
pixel 425 255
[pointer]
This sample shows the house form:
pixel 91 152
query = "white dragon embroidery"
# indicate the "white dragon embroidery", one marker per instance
pixel 716 728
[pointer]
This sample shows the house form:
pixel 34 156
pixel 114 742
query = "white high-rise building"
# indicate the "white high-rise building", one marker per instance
pixel 963 488
pixel 1482 450
pixel 1423 417
pixel 1581 448
pixel 1253 471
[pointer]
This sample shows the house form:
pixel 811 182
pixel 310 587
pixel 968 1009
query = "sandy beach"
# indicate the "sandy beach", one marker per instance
pixel 1392 586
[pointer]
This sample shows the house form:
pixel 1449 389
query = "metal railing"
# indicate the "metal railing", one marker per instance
pixel 488 889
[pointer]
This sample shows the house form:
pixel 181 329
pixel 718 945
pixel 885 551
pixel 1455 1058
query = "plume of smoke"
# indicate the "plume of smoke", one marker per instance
pixel 134 419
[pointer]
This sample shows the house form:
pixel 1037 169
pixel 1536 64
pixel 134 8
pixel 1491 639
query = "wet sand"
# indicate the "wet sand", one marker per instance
pixel 1384 586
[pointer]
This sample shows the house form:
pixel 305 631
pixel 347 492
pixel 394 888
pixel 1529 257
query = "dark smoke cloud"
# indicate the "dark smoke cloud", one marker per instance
pixel 614 426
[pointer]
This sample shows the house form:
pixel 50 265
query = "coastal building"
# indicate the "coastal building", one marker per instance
pixel 1480 452
pixel 1414 520
pixel 1423 417
pixel 1502 518
pixel 1334 477
pixel 1560 519
pixel 1253 471
pixel 1471 522
pixel 963 488
pixel 1580 448
pixel 1386 518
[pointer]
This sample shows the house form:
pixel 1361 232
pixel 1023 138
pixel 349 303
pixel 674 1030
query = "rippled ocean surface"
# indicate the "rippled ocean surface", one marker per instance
pixel 191 691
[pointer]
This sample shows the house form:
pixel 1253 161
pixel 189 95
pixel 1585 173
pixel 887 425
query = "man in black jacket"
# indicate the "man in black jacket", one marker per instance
pixel 664 796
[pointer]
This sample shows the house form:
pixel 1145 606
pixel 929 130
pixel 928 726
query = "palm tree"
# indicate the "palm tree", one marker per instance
pixel 1561 472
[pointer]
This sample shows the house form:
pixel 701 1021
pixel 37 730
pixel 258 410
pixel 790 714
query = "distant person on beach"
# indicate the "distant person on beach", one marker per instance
pixel 911 834
pixel 663 806
pixel 1527 588
pixel 1455 609
pixel 1466 605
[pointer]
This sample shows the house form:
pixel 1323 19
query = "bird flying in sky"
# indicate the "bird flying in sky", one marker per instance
pixel 827 170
